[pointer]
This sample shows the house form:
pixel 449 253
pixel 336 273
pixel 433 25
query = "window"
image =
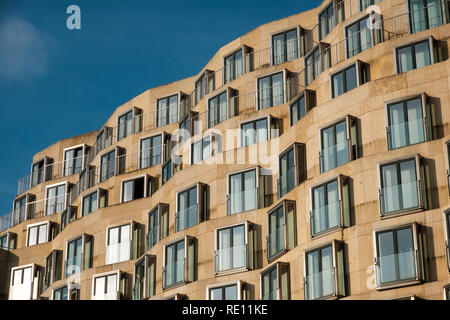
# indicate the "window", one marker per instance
pixel 73 160
pixel 119 244
pixel 292 168
pixel 150 151
pixel 364 4
pixel 41 171
pixel 271 90
pixel 233 65
pixel 38 233
pixel 23 209
pixel 349 78
pixel 61 293
pixel 94 201
pixel 447 229
pixel 167 110
pixel 26 282
pixel 87 178
pixel 326 21
pixel 53 268
pixel 191 207
pixel 204 85
pixel 243 191
pixel 282 232
pixel 447 292
pixel 109 286
pixel 188 127
pixel 179 262
pixel 408 122
pixel 144 278
pixel 78 255
pixel 158 224
pixel 399 256
pixel 339 143
pixel 233 290
pixel 284 46
pixel 221 107
pixel 402 186
pixel 138 188
pixel 166 171
pixel 316 62
pixel 448 164
pixel 361 35
pixel 275 282
pixel 324 272
pixel 55 201
pixel 235 248
pixel 104 139
pixel 414 55
pixel 301 106
pixel 209 146
pixel 129 123
pixel 8 241
pixel 254 132
pixel 67 216
pixel 108 163
pixel 330 205
pixel 424 14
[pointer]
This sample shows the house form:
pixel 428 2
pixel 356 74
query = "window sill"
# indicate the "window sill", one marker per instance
pixel 401 213
pixel 276 256
pixel 176 285
pixel 327 232
pixel 398 284
pixel 231 271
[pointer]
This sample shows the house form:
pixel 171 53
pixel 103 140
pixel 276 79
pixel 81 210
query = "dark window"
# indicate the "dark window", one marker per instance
pixel 187 214
pixel 344 81
pixel 61 293
pixel 364 4
pixel 107 165
pixel 334 146
pixel 270 90
pixel 284 46
pixel 133 189
pixel 358 37
pixel 413 56
pixel 424 14
pixel 313 66
pixel 233 66
pixel 320 271
pixel 254 132
pixel 56 199
pixel 126 125
pixel 173 272
pixel 326 21
pixel 298 109
pixel 90 203
pixel 217 109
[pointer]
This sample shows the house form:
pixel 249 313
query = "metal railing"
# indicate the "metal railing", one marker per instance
pixel 118 252
pixel 242 201
pixel 400 197
pixel 173 273
pixel 186 218
pixel 230 258
pixel 320 284
pixel 406 133
pixel 396 268
pixel 325 218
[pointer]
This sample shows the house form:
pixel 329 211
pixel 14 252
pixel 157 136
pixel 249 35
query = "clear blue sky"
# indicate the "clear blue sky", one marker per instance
pixel 56 83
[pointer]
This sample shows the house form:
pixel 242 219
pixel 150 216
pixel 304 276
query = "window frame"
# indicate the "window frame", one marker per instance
pixel 371 31
pixel 421 194
pixel 167 117
pixel 426 115
pixel 269 118
pixel 240 289
pixel 447 292
pixel 338 267
pixel 231 108
pixel 28 210
pixel 447 161
pixel 85 238
pixel 37 225
pixel 46 174
pixel 67 216
pixel 132 227
pixel 147 180
pixel 118 157
pixel 447 236
pixel 284 32
pixel 245 50
pixel 284 72
pixel 202 212
pixel 11 240
pixel 208 134
pixel 206 89
pixel 431 47
pixel 417 235
pixel 362 77
pixel 100 193
pixel 66 195
pixel 163 135
pixel 309 97
pixel 83 160
pixel 161 210
pixel 258 174
pixel 119 278
pixel 277 265
pixel 104 134
pixel 36 276
pixel 136 125
pixel 424 10
pixel 53 275
pixel 299 150
pixel 147 259
pixel 344 218
pixel 60 288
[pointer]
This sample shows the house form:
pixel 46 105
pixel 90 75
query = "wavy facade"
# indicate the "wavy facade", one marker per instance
pixel 308 159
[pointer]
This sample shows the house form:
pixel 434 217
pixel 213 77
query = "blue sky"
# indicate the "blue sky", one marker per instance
pixel 56 83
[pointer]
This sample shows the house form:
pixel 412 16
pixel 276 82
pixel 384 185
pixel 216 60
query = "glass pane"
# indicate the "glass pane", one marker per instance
pixel 390 191
pixel 128 191
pixel 350 78
pixel 386 256
pixel 264 93
pixel 338 84
pixel 291 45
pixel 216 294
pixel 405 59
pixel 249 187
pixel 397 127
pixel 409 184
pixel 261 130
pixel 277 92
pixel 415 121
pixel 278 49
pixel 422 54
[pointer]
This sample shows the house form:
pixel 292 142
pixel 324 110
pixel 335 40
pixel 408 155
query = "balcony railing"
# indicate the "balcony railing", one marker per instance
pixel 242 201
pixel 320 284
pixel 406 133
pixel 400 197
pixel 230 258
pixel 118 252
pixel 173 273
pixel 325 218
pixel 286 182
pixel 72 265
pixel 395 268
pixel 275 242
pixel 334 156
pixel 186 218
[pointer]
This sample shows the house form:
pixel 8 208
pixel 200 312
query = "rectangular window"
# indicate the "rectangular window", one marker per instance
pixel 104 139
pixel 8 241
pixel 129 123
pixel 233 65
pixel 243 191
pixel 402 186
pixel 118 246
pixel 144 278
pixel 326 20
pixel 284 46
pixel 313 65
pixel 407 122
pixel 234 248
pixel 41 171
pixel 179 262
pixel 209 146
pixel 134 189
pixel 292 168
pixel 282 231
pixel 399 256
pixel 78 255
pixel 167 110
pixel 271 90
pixel 191 207
pixel 158 224
pixel 204 85
pixel 150 151
pixel 447 229
pixel 25 283
pixel 22 209
pixel 73 161
pixel 339 143
pixel 55 201
pixel 67 216
pixel 37 234
pixel 330 206
pixel 61 293
pixel 414 55
pixel 232 290
pixel 324 272
pixel 275 282
pixel 361 35
pixel 364 4
pixel 254 132
pixel 90 203
pixel 424 14
pixel 301 106
pixel 348 79
pixel 220 108
pixel 53 268
pixel 107 286
pixel 166 171
pixel 107 165
pixel 447 292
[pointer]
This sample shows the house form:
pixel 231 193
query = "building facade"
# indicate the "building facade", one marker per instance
pixel 309 159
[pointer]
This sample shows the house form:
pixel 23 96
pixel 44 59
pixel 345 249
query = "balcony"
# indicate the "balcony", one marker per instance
pixel 118 252
pixel 186 218
pixel 325 218
pixel 320 285
pixel 231 258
